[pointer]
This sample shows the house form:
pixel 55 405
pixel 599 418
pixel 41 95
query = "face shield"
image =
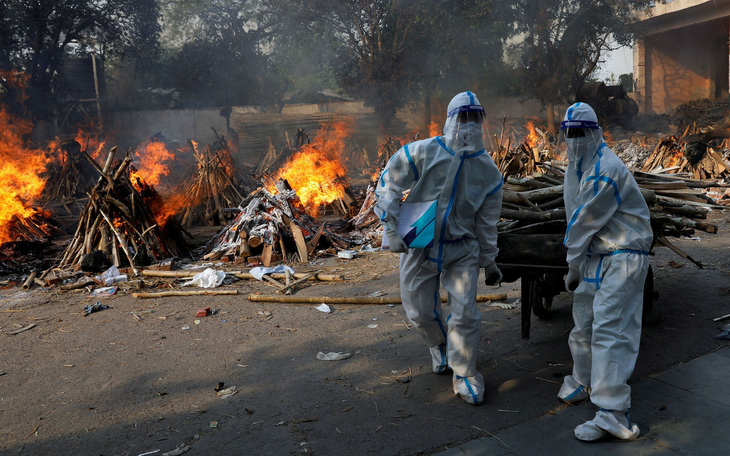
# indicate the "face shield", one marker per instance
pixel 579 132
pixel 465 125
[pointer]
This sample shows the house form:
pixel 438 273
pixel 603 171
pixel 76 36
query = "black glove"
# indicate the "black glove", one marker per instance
pixel 572 280
pixel 492 275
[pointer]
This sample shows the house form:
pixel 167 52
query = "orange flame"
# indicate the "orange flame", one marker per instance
pixel 316 171
pixel 434 129
pixel 532 136
pixel 675 159
pixel 20 173
pixel 151 166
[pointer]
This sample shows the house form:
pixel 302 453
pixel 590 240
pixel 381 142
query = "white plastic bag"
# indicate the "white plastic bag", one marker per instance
pixel 332 356
pixel 210 278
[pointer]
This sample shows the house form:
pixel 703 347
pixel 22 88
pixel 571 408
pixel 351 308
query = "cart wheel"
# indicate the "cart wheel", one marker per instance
pixel 541 303
pixel 651 313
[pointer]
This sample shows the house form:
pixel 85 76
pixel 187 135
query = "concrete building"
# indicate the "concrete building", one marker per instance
pixel 682 54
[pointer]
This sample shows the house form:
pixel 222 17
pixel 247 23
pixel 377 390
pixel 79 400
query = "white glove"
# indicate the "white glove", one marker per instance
pixel 492 275
pixel 572 279
pixel 397 244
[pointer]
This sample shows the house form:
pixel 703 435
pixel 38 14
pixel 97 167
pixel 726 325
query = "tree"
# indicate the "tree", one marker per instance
pixel 561 42
pixel 37 35
pixel 221 56
pixel 377 38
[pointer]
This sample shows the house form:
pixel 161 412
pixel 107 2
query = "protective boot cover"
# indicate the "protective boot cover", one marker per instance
pixel 608 422
pixel 471 389
pixel 439 359
pixel 572 392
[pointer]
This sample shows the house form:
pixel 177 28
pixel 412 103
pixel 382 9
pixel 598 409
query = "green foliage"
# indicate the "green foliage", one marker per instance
pixel 36 37
pixel 627 82
pixel 564 40
pixel 219 58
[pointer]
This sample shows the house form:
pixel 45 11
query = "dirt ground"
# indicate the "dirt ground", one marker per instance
pixel 114 384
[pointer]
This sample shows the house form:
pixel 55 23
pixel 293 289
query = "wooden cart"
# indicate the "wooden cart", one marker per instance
pixel 539 260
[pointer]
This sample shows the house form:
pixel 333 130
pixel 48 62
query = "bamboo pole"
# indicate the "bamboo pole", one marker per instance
pixel 353 299
pixel 164 294
pixel 30 280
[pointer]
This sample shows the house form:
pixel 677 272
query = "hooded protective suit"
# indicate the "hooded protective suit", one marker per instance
pixel 455 171
pixel 608 240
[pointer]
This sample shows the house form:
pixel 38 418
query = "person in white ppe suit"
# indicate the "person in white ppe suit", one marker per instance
pixel 458 180
pixel 608 238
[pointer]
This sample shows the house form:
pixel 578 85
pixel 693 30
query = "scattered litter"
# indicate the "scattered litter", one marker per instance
pixel 210 278
pixel 177 451
pixel 149 452
pixel 375 318
pixel 111 276
pixel 224 321
pixel 375 294
pixel 203 312
pixel 368 248
pixel 259 272
pixel 225 393
pixel 503 305
pixel 24 328
pixel 104 291
pixel 324 308
pixel 332 356
pixel 347 254
pixel 91 308
pixel 184 328
pixel 197 322
pixel 68 365
pixel 214 424
pixel 723 335
pixel 391 305
pixel 372 326
pixel 266 314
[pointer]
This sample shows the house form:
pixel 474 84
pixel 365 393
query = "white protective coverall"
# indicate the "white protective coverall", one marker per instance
pixel 608 238
pixel 455 170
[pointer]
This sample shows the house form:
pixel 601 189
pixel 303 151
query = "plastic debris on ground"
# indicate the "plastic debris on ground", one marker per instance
pixel 91 308
pixel 104 291
pixel 347 254
pixel 372 326
pixel 503 305
pixel 375 294
pixel 177 451
pixel 259 272
pixel 324 308
pixel 111 276
pixel 210 278
pixel 368 248
pixel 332 356
pixel 225 393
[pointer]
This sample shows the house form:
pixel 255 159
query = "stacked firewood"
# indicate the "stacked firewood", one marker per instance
pixel 270 228
pixel 210 189
pixel 117 222
pixel 535 205
pixel 72 176
pixel 522 160
pixel 691 153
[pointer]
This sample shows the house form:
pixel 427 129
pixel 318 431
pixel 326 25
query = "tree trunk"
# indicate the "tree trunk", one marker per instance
pixel 552 127
pixel 427 112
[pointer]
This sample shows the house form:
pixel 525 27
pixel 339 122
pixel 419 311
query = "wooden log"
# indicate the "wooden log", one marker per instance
pixel 30 280
pixel 354 299
pixel 531 216
pixel 288 288
pixel 164 294
pixel 664 241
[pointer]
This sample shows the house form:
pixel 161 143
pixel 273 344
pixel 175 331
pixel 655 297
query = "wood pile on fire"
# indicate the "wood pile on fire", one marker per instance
pixel 270 228
pixel 522 160
pixel 118 222
pixel 696 153
pixel 210 190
